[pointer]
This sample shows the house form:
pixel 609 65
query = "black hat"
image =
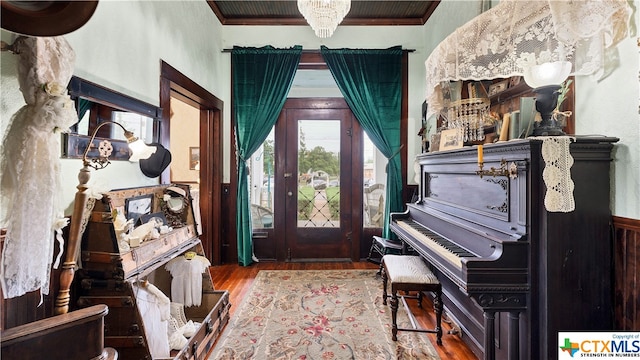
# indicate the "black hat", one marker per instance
pixel 158 161
pixel 45 18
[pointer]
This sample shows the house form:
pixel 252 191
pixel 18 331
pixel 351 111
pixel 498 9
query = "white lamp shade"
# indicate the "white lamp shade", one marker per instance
pixel 140 150
pixel 549 73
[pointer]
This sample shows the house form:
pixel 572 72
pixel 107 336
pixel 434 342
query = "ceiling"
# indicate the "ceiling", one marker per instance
pixel 264 12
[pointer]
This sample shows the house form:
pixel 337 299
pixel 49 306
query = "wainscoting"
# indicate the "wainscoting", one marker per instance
pixel 627 273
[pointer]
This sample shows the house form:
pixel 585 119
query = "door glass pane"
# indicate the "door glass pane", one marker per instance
pixel 318 173
pixel 375 180
pixel 262 182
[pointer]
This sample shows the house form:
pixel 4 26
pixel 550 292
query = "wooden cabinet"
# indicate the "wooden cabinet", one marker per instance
pixel 113 275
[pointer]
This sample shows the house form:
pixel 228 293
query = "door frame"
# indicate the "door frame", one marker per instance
pixel 175 84
pixel 348 223
pixel 312 59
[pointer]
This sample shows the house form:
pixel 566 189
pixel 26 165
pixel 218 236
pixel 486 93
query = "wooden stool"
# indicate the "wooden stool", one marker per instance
pixel 410 273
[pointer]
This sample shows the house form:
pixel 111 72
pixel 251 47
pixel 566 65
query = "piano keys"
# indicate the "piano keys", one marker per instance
pixel 510 269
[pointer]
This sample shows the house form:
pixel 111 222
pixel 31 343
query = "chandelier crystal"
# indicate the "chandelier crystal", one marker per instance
pixel 324 15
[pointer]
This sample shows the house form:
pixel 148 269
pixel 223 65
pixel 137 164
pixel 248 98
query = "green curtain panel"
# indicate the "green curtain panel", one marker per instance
pixel 262 78
pixel 371 82
pixel 83 106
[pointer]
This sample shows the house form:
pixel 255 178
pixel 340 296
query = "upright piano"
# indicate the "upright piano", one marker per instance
pixel 514 274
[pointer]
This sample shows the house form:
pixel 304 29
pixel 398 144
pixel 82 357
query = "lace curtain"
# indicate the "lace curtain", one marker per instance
pixel 516 34
pixel 30 164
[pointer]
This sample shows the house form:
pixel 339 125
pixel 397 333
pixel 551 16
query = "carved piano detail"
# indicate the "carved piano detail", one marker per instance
pixel 509 267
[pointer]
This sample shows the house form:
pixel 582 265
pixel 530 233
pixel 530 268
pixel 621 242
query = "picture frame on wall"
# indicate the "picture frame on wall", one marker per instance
pixel 495 89
pixel 194 158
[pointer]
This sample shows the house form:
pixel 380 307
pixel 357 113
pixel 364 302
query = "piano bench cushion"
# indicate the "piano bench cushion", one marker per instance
pixel 408 269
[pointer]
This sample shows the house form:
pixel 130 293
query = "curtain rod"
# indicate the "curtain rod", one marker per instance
pixel 315 51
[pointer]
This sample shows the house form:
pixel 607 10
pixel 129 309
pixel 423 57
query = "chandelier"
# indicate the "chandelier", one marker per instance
pixel 324 15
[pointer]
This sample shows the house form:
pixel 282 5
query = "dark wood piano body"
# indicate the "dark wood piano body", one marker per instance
pixel 537 272
pixel 108 276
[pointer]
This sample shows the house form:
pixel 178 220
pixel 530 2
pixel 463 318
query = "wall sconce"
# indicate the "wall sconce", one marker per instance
pixel 546 79
pixel 139 151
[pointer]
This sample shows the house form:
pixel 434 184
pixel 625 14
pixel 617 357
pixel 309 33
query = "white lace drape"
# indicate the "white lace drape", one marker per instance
pixel 516 34
pixel 30 164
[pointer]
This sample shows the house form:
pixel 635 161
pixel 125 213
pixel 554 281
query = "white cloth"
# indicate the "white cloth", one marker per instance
pixel 515 34
pixel 186 284
pixel 557 173
pixel 30 164
pixel 153 309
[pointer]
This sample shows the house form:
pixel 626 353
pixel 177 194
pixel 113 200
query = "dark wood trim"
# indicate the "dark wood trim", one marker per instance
pixel 173 83
pixel 79 87
pixel 404 121
pixel 298 19
pixel 626 223
pixel 312 60
pixel 626 269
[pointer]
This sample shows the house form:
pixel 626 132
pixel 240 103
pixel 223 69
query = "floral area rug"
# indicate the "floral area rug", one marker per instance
pixel 318 314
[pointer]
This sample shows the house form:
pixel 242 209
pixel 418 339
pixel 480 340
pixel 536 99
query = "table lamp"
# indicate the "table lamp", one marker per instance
pixel 546 80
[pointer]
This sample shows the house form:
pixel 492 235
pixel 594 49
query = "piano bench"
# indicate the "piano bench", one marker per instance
pixel 410 273
pixel 383 247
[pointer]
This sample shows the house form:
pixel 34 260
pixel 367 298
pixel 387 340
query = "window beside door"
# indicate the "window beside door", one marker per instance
pixel 374 185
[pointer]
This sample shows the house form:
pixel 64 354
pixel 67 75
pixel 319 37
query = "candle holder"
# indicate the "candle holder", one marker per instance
pixel 511 171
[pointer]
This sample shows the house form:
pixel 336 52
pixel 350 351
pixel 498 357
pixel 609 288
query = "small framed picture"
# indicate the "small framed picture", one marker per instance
pixel 137 206
pixel 514 80
pixel 158 217
pixel 194 158
pixel 498 87
pixel 451 139
pixel 435 142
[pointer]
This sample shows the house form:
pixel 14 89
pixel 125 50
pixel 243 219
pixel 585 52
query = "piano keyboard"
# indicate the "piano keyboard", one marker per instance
pixel 443 247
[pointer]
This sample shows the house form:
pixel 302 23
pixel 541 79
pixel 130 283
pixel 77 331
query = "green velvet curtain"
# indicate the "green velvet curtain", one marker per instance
pixel 371 82
pixel 261 80
pixel 83 106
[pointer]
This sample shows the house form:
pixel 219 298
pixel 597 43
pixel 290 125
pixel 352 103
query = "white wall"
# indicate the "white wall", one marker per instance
pixel 123 43
pixel 121 47
pixel 610 107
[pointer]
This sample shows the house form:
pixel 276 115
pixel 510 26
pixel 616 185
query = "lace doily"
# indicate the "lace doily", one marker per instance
pixel 30 164
pixel 516 34
pixel 557 173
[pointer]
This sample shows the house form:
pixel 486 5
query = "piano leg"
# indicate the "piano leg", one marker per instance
pixel 514 335
pixel 489 335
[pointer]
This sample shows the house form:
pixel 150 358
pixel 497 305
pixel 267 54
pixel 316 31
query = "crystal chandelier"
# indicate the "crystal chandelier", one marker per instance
pixel 324 15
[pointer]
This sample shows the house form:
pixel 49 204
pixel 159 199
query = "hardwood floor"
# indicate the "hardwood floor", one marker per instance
pixel 238 279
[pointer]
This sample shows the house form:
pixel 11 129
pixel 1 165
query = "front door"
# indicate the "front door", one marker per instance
pixel 317 172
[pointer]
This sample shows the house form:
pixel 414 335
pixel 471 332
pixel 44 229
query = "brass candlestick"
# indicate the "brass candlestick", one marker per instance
pixel 511 171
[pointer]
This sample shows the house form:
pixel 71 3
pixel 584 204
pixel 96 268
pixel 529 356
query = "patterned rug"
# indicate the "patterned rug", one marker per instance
pixel 318 314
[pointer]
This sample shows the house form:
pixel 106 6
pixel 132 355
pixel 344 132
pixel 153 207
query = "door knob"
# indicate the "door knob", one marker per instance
pixel 290 193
